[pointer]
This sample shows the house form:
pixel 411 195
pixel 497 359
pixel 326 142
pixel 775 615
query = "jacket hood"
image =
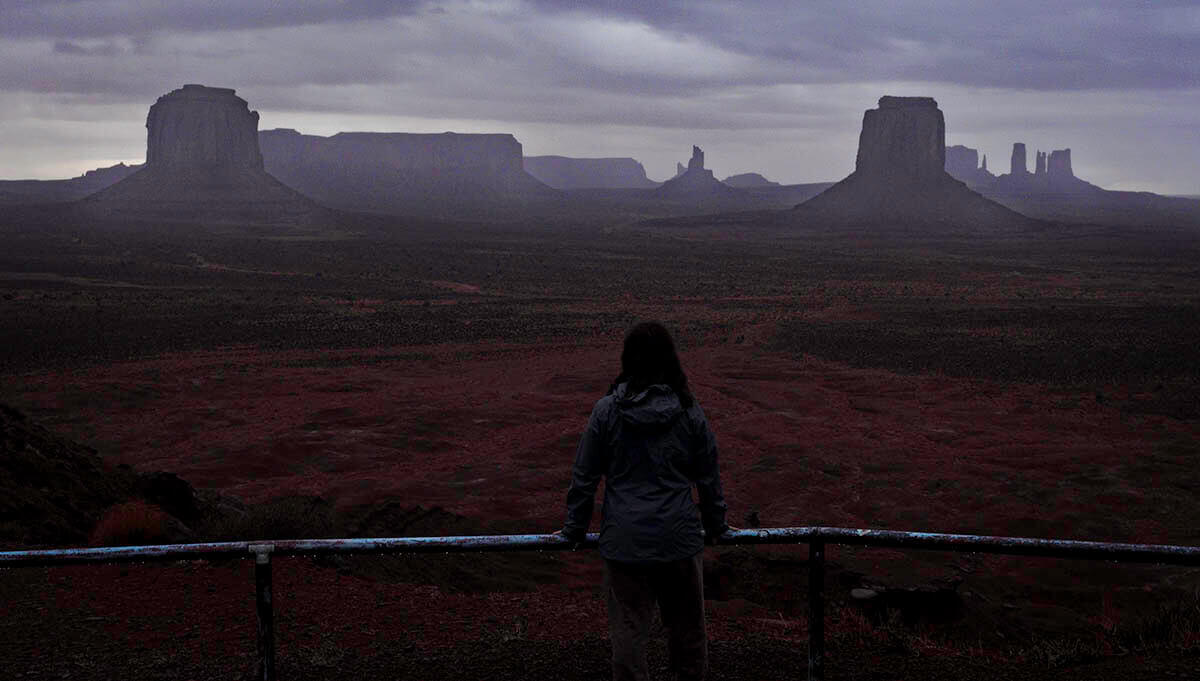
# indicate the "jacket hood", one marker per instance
pixel 657 405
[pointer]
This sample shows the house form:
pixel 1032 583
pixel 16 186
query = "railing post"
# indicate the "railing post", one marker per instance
pixel 816 610
pixel 266 614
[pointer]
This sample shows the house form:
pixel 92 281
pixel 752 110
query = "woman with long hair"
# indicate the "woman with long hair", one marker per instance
pixel 649 440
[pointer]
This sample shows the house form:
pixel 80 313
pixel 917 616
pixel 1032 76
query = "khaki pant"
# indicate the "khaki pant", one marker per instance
pixel 678 589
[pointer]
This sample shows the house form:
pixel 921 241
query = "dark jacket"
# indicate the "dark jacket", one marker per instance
pixel 650 451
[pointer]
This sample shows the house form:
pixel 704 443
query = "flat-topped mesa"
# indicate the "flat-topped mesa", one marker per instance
pixel 1059 164
pixel 398 151
pixel 902 142
pixel 1019 165
pixel 562 172
pixel 202 127
pixel 401 172
pixel 749 181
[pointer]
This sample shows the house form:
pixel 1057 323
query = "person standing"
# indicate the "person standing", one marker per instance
pixel 649 440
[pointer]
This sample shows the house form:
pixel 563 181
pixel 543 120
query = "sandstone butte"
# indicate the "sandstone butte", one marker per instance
pixel 202 159
pixel 900 179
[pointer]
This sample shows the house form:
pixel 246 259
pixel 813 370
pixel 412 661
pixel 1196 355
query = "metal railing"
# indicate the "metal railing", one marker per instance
pixel 816 537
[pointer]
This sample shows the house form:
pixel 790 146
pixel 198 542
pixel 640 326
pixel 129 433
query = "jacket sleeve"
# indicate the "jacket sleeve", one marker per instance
pixel 590 463
pixel 708 481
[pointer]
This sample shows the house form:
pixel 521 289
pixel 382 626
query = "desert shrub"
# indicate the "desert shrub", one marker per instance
pixel 130 524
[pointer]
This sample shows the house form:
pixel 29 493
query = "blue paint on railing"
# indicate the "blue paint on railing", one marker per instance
pixel 1163 553
pixel 816 537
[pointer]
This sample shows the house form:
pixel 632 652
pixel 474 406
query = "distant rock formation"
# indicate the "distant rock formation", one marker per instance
pixel 1052 176
pixel 401 172
pixel 961 161
pixel 73 189
pixel 202 160
pixel 561 172
pixel 749 181
pixel 1059 164
pixel 697 182
pixel 680 169
pixel 110 175
pixel 1053 192
pixel 963 164
pixel 900 178
pixel 1019 165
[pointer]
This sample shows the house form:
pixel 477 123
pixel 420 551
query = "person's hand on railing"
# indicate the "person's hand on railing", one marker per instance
pixel 559 533
pixel 713 539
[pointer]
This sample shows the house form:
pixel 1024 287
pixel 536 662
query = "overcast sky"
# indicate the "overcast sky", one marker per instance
pixel 771 87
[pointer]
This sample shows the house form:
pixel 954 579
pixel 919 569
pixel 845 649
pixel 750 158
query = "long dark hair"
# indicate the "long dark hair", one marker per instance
pixel 649 358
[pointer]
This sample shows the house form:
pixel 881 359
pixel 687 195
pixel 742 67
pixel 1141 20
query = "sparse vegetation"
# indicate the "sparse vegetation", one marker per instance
pixel 132 523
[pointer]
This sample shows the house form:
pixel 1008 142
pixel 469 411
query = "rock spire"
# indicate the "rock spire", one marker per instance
pixel 1019 165
pixel 695 182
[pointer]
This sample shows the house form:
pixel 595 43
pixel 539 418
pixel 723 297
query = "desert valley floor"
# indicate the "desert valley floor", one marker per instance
pixel 427 378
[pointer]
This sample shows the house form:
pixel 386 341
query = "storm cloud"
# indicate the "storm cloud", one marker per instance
pixel 773 87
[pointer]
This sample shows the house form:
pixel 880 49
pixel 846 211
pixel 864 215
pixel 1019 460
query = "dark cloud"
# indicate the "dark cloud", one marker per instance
pixel 102 18
pixel 1065 44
